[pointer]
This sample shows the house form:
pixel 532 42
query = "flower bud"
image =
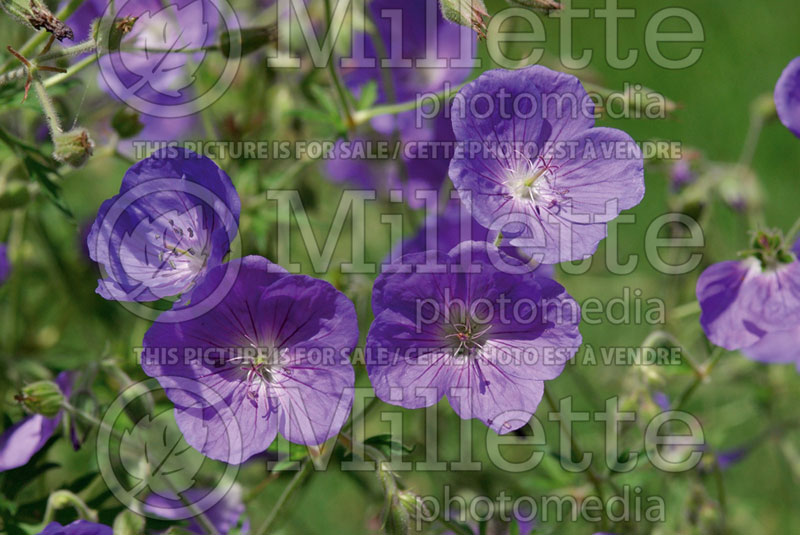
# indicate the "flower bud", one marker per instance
pixel 115 30
pixel 42 397
pixel 73 147
pixel 128 523
pixel 763 107
pixel 469 13
pixel 14 194
pixel 126 123
pixel 545 5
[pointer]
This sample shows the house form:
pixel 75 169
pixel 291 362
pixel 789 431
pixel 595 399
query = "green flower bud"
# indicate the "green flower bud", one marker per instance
pixel 128 523
pixel 119 29
pixel 469 13
pixel 126 123
pixel 14 194
pixel 73 147
pixel 763 107
pixel 42 397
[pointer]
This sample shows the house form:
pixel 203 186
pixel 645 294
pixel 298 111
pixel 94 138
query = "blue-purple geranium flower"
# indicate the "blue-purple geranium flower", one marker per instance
pixel 754 304
pixel 176 216
pixel 22 440
pixel 787 96
pixel 79 527
pixel 533 164
pixel 488 339
pixel 166 71
pixel 275 352
pixel 5 265
pixel 225 515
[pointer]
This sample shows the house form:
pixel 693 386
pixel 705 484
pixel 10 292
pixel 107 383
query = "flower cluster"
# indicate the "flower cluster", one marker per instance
pixel 485 327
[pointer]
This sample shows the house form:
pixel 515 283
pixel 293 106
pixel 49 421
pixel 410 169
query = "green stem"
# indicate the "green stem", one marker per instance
pixel 577 452
pixel 50 114
pixel 687 309
pixel 337 83
pixel 363 116
pixel 72 71
pixel 62 499
pixel 702 376
pixel 291 488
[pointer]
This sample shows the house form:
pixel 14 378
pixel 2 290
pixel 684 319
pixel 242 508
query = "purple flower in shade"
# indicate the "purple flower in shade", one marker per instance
pixel 754 304
pixel 176 216
pixel 79 527
pixel 155 127
pixel 488 338
pixel 405 31
pixel 227 514
pixel 22 440
pixel 533 164
pixel 445 230
pixel 787 96
pixel 683 172
pixel 275 351
pixel 5 265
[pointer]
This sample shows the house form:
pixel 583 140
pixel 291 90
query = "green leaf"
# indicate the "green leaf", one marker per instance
pixel 387 445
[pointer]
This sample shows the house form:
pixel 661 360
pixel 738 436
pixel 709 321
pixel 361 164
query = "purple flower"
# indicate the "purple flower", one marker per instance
pixel 22 440
pixel 683 172
pixel 155 75
pixel 79 527
pixel 5 265
pixel 488 339
pixel 445 230
pixel 274 351
pixel 224 516
pixel 753 304
pixel 533 164
pixel 787 96
pixel 404 28
pixel 777 347
pixel 175 217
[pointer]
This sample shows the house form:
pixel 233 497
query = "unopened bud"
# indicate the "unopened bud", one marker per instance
pixel 126 123
pixel 643 101
pixel 117 31
pixel 14 194
pixel 42 397
pixel 763 107
pixel 73 147
pixel 545 5
pixel 469 13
